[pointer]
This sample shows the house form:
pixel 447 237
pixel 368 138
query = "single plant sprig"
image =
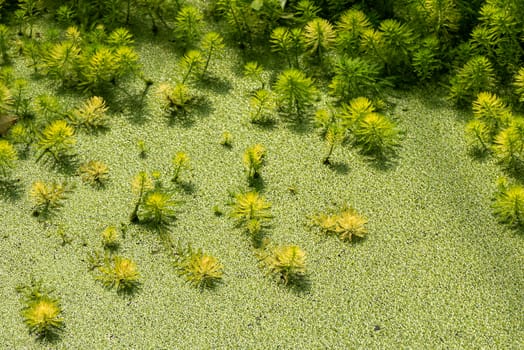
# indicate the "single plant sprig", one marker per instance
pixel 94 172
pixel 48 196
pixel 180 161
pixel 227 139
pixel 475 76
pixel 8 158
pixel 377 135
pixel 192 64
pixel 140 185
pixel 295 91
pixel 188 25
pixel 110 237
pixel 176 99
pixel 255 71
pixel 319 37
pixel 6 99
pixel 119 273
pixel 41 312
pixel 211 44
pixel 289 43
pixel 350 26
pixel 251 211
pixel 199 269
pixel 263 105
pixel 345 223
pixel 92 115
pixel 518 84
pixel 508 205
pixel 287 263
pixel 57 139
pixel 142 148
pixel 253 159
pixel 508 146
pixel 356 77
pixel 158 208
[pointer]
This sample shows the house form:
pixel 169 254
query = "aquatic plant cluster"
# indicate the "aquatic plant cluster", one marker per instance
pixel 338 63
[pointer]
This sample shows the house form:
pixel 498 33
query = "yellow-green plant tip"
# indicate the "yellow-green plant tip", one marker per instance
pixel 120 273
pixel 287 262
pixel 8 157
pixel 110 236
pixel 42 316
pixel 201 270
pixel 95 173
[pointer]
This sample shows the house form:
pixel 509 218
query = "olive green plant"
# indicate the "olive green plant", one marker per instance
pixel 6 99
pixel 180 161
pixel 192 64
pixel 158 208
pixel 175 99
pixel 397 42
pixel 305 11
pixel 262 107
pixel 251 211
pixel 425 59
pixel 345 223
pixel 253 160
pixel 238 14
pixel 94 172
pixel 289 43
pixel 92 115
pixel 287 263
pixel 319 37
pixel 212 43
pixel 199 269
pixel 27 14
pixel 48 196
pixel 188 25
pixel 41 311
pixel 295 91
pixel 377 135
pixel 508 205
pixel 8 158
pixel 508 146
pixel 4 44
pixel 255 71
pixel 475 76
pixel 227 139
pixel 491 115
pixel 356 77
pixel 331 129
pixel 349 27
pixel 119 273
pixel 57 140
pixel 140 185
pixel 110 237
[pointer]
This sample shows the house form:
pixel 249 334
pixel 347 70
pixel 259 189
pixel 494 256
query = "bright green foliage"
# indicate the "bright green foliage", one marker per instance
pixel 332 129
pixel 253 159
pixel 289 43
pixel 425 59
pixel 175 99
pixel 94 172
pixel 509 146
pixel 110 237
pixel 287 263
pixel 355 77
pixel 479 135
pixel 263 106
pixel 518 84
pixel 92 115
pixel 120 273
pixel 199 269
pixel 158 208
pixel 491 110
pixel 48 196
pixel 376 135
pixel 188 24
pixel 192 64
pixel 8 157
pixel 252 211
pixel 305 11
pixel 344 223
pixel 48 107
pixel 180 161
pixel 41 312
pixel 140 185
pixel 509 204
pixel 120 37
pixel 61 62
pixel 350 26
pixel 295 91
pixel 475 76
pixel 254 71
pixel 211 44
pixel 439 17
pixel 319 37
pixel 355 111
pixel 57 139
